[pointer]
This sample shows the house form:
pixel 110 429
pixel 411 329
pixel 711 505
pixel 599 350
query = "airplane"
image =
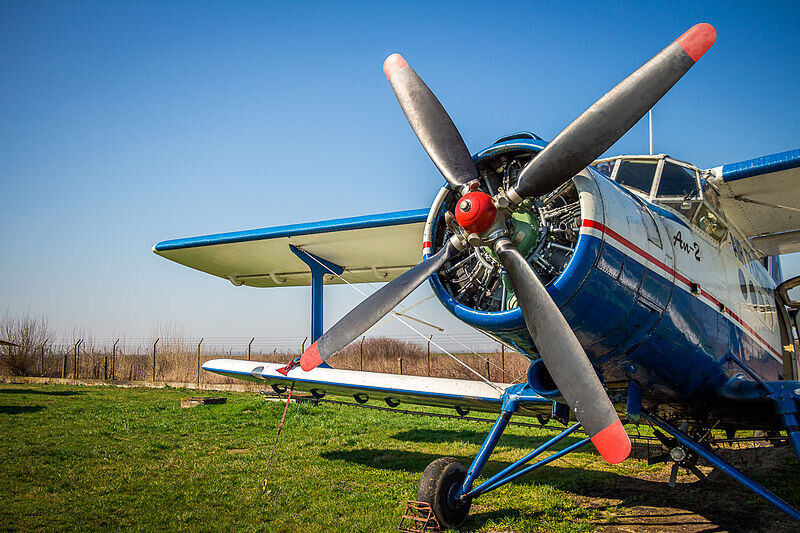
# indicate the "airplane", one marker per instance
pixel 639 287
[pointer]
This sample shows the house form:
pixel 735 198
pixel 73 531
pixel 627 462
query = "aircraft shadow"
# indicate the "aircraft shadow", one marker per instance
pixel 46 392
pixel 19 409
pixel 386 459
pixel 639 449
pixel 477 437
pixel 718 502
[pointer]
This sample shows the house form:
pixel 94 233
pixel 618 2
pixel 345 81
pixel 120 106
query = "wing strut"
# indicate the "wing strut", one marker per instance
pixel 319 267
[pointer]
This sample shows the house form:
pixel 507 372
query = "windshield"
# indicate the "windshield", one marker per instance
pixel 677 181
pixel 637 174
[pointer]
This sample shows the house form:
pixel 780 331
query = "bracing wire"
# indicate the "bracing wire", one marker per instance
pixel 415 316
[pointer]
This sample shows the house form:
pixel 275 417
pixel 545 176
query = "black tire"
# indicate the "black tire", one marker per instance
pixel 441 477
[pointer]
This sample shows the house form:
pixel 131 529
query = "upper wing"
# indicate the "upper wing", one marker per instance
pixel 761 197
pixel 369 248
pixel 439 392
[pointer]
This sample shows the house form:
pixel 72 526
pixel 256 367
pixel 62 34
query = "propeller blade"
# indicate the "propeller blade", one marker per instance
pixel 564 358
pixel 673 475
pixel 433 126
pixel 608 119
pixel 367 313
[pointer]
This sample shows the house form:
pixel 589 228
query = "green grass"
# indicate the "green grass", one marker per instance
pixel 78 458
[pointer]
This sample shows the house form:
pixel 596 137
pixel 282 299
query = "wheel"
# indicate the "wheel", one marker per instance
pixel 437 487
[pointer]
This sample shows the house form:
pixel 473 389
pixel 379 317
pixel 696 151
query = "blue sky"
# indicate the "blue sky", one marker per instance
pixel 126 123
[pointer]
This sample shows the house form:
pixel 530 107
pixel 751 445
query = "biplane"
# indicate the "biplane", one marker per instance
pixel 641 288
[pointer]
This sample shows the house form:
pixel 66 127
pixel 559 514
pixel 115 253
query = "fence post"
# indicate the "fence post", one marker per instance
pixel 361 360
pixel 198 361
pixel 303 347
pixel 248 347
pixel 105 366
pixel 42 359
pixel 154 358
pixel 487 368
pixel 114 360
pixel 429 354
pixel 400 365
pixel 503 360
pixel 75 361
pixel 64 365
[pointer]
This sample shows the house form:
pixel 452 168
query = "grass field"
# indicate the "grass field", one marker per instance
pixel 78 458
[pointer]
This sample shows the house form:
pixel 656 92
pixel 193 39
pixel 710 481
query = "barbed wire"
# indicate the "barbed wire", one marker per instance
pixel 263 345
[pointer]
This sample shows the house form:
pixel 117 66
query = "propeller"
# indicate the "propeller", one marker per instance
pixel 608 119
pixel 477 214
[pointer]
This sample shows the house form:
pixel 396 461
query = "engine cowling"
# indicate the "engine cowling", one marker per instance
pixel 473 285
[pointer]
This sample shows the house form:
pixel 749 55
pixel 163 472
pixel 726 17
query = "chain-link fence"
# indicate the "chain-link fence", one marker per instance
pixel 178 359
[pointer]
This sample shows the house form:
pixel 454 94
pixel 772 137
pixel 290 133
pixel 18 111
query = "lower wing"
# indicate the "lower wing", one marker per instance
pixel 393 388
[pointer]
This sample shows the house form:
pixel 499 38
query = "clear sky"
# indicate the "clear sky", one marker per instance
pixel 126 123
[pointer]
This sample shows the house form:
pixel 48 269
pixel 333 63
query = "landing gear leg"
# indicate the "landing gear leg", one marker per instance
pixel 447 486
pixel 715 460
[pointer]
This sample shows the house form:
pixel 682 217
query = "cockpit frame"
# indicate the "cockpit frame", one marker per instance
pixel 695 199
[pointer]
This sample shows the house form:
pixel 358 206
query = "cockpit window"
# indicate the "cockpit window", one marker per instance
pixel 637 174
pixel 707 221
pixel 710 195
pixel 678 181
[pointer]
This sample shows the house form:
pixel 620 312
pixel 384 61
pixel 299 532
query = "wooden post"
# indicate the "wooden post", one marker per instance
pixel 487 368
pixel 154 358
pixel 198 361
pixel 42 360
pixel 105 366
pixel 303 347
pixel 64 366
pixel 114 360
pixel 249 345
pixel 361 361
pixel 429 354
pixel 400 365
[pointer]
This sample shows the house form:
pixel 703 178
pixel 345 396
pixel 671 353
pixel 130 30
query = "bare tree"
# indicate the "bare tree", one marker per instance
pixel 31 334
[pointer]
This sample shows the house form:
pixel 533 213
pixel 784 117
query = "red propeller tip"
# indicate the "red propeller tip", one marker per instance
pixel 310 358
pixel 392 64
pixel 697 40
pixel 613 443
